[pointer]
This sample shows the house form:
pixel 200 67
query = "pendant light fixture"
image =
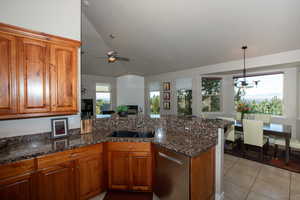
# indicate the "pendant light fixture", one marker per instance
pixel 243 83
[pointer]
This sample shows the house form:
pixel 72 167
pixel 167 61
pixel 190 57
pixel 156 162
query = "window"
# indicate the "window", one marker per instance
pixel 211 94
pixel 266 97
pixel 184 96
pixel 154 100
pixel 103 97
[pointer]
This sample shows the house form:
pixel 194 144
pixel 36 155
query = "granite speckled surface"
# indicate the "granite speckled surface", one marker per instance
pixel 188 136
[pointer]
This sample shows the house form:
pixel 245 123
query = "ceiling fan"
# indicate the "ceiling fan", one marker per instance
pixel 113 56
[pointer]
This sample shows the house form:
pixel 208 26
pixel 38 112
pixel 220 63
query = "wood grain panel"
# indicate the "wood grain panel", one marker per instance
pixel 8 78
pixel 202 177
pixel 89 173
pixel 16 168
pixel 57 182
pixel 16 188
pixel 129 146
pixel 63 78
pixel 118 170
pixel 141 171
pixel 34 76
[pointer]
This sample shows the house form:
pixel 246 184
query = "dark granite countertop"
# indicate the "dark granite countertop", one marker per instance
pixel 189 136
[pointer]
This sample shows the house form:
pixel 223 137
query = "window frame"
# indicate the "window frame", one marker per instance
pixel 181 114
pixel 221 95
pixel 149 100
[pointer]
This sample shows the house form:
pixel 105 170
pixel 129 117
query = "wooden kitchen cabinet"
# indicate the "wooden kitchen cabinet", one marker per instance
pixel 57 182
pixel 141 171
pixel 89 175
pixel 38 74
pixel 8 75
pixel 118 170
pixel 63 79
pixel 34 76
pixel 16 180
pixel 130 166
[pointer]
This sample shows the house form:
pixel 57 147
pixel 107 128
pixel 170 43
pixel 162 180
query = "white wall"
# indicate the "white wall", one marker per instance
pixel 264 64
pixel 130 90
pixel 58 17
pixel 89 83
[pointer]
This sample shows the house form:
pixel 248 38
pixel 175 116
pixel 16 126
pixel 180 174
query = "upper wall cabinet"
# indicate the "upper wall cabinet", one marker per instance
pixel 38 74
pixel 8 73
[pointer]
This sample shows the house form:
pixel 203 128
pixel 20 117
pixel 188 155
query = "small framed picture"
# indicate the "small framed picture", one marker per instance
pixel 167 95
pixel 167 105
pixel 167 86
pixel 59 127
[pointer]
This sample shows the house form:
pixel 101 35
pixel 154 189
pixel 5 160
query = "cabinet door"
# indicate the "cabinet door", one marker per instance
pixel 141 171
pixel 89 176
pixel 17 188
pixel 57 182
pixel 63 79
pixel 118 170
pixel 34 76
pixel 8 79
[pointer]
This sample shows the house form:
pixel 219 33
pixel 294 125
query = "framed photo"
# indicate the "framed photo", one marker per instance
pixel 167 86
pixel 59 127
pixel 166 95
pixel 167 105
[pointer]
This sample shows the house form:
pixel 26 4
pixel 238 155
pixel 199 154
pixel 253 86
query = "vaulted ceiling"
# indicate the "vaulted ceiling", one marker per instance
pixel 169 35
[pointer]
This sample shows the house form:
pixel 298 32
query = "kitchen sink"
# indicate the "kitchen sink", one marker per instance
pixel 133 134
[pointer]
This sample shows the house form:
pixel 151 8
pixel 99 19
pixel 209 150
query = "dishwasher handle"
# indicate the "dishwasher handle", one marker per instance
pixel 170 158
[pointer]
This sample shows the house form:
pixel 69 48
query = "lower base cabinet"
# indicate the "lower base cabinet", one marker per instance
pixel 89 176
pixel 57 182
pixel 130 166
pixel 16 188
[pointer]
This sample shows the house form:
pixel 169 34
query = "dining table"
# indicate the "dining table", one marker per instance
pixel 274 130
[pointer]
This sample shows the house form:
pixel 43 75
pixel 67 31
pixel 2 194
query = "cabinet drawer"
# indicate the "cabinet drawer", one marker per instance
pixel 16 168
pixel 54 159
pixel 87 151
pixel 60 157
pixel 129 146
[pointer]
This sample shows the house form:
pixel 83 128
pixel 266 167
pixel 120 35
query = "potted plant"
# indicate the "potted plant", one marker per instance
pixel 122 110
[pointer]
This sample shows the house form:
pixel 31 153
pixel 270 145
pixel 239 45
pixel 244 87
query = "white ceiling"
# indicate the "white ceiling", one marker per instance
pixel 169 35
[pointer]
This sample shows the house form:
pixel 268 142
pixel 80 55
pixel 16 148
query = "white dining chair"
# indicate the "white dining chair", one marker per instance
pixel 231 136
pixel 263 117
pixel 253 134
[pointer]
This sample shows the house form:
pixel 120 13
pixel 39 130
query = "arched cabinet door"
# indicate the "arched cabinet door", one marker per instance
pixel 63 79
pixel 8 78
pixel 34 76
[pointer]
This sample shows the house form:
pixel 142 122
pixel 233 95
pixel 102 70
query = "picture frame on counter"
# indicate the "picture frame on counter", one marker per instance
pixel 167 86
pixel 60 127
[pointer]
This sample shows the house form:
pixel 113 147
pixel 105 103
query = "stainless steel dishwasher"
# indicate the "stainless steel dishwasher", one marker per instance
pixel 171 175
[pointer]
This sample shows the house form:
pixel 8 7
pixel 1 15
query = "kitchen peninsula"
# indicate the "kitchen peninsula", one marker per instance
pixel 88 164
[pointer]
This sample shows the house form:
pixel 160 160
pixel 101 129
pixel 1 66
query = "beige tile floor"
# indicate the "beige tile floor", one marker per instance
pixel 249 180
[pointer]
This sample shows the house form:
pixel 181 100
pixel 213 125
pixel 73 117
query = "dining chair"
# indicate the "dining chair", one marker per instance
pixel 294 144
pixel 253 134
pixel 263 117
pixel 231 136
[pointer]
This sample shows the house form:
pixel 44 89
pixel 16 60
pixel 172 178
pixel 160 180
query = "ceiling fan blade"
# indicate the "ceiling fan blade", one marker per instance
pixel 123 59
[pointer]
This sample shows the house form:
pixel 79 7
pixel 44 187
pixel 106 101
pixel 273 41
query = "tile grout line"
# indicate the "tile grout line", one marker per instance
pixel 253 182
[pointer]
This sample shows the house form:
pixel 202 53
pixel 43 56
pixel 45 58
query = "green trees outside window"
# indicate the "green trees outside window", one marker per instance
pixel 184 102
pixel 265 98
pixel 211 94
pixel 155 102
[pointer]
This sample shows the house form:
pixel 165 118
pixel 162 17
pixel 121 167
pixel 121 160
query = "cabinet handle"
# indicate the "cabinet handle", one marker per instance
pixel 170 158
pixel 73 155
